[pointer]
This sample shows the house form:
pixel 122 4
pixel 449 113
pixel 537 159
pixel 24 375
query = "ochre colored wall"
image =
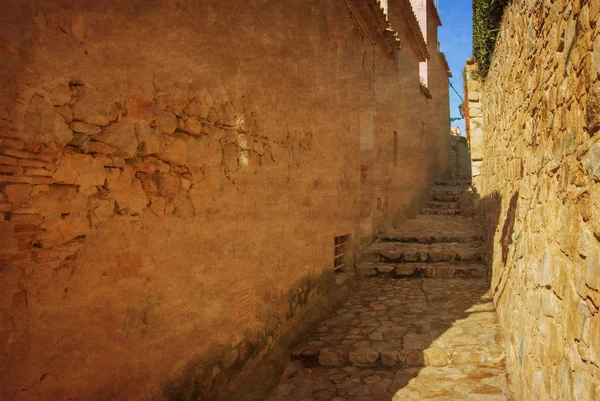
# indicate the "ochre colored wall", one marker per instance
pixel 540 188
pixel 173 174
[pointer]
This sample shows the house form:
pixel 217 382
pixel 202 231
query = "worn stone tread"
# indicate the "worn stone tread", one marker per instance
pixel 442 197
pixel 436 211
pixel 423 270
pixel 467 382
pixel 443 205
pixel 402 252
pixel 461 183
pixel 427 226
pixel 449 189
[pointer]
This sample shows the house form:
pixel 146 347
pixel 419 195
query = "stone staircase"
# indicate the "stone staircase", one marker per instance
pixel 439 243
pixel 420 323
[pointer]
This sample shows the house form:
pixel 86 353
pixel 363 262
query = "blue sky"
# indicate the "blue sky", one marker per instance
pixel 455 36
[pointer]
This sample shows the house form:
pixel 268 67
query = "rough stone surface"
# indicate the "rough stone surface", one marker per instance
pixel 121 136
pixel 440 340
pixel 44 124
pixel 92 107
pixel 539 191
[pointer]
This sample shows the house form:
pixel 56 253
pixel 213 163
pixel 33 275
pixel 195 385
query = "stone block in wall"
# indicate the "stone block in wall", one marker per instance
pixel 593 109
pixel 476 155
pixel 200 105
pixel 199 151
pixel 473 97
pixel 59 93
pixel 18 194
pixel 475 106
pixel 80 169
pixel 85 128
pixel 7 239
pixel 149 141
pixel 476 168
pixel 166 122
pixel 175 151
pixel 592 162
pixel 592 269
pixel 126 190
pixel 596 58
pixel 593 214
pixel 473 86
pixel 476 142
pixel 91 107
pixel 121 136
pixel 42 123
pixel 474 112
pixel 101 148
pixel 191 126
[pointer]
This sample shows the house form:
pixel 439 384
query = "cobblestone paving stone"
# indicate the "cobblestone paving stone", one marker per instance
pixel 403 339
pixel 409 339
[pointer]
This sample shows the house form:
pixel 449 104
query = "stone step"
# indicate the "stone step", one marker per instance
pixel 445 197
pixel 353 383
pixel 429 229
pixel 422 270
pixel 455 182
pixel 446 212
pixel 401 252
pixel 449 189
pixel 442 205
pixel 426 238
pixel 379 354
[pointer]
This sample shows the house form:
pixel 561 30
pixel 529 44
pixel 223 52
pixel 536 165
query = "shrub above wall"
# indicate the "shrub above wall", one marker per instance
pixel 487 16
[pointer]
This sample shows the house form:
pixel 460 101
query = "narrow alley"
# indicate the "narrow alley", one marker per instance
pixel 300 200
pixel 420 325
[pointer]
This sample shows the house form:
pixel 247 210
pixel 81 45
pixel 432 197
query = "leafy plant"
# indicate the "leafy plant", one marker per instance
pixel 487 16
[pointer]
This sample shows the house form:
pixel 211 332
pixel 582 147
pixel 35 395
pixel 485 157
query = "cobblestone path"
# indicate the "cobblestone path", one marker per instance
pixel 420 324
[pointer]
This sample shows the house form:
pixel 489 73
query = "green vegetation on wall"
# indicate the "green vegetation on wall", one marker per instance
pixel 487 16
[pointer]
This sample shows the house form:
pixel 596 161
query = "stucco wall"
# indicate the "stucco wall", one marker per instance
pixel 540 187
pixel 173 175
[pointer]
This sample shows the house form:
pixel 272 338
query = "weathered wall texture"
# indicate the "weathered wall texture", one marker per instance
pixel 460 158
pixel 541 191
pixel 439 109
pixel 435 73
pixel 474 120
pixel 172 177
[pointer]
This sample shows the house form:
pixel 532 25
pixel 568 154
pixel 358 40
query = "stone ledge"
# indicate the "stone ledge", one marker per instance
pixel 373 21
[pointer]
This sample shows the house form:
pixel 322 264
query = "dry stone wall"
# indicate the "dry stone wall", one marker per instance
pixel 172 177
pixel 540 192
pixel 474 120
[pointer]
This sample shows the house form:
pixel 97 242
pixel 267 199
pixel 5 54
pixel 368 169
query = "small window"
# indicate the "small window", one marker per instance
pixel 341 252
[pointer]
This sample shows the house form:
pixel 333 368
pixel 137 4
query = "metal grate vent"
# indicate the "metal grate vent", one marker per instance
pixel 341 251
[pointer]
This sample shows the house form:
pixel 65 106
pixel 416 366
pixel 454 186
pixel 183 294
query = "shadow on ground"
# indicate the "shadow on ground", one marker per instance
pixel 402 339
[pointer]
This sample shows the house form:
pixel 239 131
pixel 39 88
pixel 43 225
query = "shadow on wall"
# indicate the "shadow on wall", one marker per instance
pixel 249 370
pixel 490 211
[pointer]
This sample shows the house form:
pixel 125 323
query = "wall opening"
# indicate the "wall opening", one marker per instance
pixel 341 252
